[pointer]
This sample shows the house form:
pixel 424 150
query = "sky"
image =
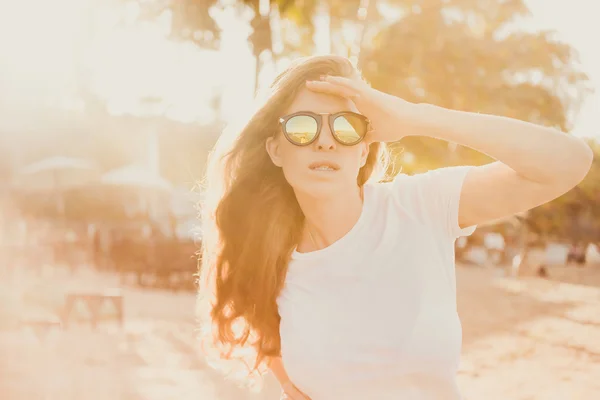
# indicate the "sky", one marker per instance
pixel 127 63
pixel 578 25
pixel 573 22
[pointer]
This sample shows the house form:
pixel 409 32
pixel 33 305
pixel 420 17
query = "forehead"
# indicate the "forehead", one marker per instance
pixel 307 100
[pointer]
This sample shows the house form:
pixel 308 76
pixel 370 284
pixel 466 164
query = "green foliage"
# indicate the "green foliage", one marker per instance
pixel 463 55
pixel 460 54
pixel 190 19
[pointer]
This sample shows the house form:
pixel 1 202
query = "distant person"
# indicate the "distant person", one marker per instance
pixel 344 286
pixel 577 254
pixel 494 244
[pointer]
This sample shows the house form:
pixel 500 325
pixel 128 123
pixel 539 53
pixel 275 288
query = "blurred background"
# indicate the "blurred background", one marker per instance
pixel 108 109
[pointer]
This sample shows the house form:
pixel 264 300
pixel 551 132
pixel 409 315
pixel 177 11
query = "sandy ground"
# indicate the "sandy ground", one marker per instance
pixel 523 339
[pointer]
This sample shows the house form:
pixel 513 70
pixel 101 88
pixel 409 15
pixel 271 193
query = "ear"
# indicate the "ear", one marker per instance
pixel 272 146
pixel 364 154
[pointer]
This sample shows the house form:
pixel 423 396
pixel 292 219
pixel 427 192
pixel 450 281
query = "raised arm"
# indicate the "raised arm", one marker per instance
pixel 535 164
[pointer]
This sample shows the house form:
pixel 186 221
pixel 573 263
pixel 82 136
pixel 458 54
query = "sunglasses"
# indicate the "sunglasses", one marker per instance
pixel 303 128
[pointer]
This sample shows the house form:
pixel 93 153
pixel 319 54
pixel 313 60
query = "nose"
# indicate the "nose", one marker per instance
pixel 325 141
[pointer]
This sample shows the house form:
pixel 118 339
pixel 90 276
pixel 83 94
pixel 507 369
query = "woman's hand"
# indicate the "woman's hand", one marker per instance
pixel 291 392
pixel 391 117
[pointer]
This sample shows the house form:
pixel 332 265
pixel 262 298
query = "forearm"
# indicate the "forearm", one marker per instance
pixel 276 367
pixel 287 386
pixel 537 153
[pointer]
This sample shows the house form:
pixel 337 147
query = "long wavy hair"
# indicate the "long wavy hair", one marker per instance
pixel 251 222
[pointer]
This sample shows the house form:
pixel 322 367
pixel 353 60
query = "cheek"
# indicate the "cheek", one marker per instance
pixel 355 157
pixel 292 160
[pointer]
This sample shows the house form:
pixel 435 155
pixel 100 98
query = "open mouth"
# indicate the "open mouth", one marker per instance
pixel 326 166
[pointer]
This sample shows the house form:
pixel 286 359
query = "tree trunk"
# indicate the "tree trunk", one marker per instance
pixel 361 20
pixel 256 73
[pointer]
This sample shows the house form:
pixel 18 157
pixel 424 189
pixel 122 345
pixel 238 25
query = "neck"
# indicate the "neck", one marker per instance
pixel 328 218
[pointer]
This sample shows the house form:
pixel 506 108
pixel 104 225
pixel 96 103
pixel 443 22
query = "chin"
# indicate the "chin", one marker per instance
pixel 322 187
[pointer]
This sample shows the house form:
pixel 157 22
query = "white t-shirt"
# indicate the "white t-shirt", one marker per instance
pixel 373 316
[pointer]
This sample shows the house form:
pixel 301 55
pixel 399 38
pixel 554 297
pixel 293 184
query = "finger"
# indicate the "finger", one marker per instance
pixel 350 83
pixel 295 394
pixel 301 395
pixel 331 88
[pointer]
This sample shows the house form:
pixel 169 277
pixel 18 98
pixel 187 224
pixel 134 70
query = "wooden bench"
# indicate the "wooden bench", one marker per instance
pixel 93 301
pixel 41 326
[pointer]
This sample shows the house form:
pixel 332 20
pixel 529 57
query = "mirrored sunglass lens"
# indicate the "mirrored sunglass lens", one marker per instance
pixel 349 128
pixel 301 128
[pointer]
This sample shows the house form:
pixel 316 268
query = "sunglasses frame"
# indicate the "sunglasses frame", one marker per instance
pixel 319 118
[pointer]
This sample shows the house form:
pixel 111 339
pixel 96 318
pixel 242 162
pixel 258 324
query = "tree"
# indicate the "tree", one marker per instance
pixel 463 55
pixel 192 21
pixel 459 54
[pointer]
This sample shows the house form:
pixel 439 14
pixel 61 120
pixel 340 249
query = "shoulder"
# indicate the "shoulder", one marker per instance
pixel 404 187
pixel 434 183
pixel 400 194
pixel 432 197
pixel 426 186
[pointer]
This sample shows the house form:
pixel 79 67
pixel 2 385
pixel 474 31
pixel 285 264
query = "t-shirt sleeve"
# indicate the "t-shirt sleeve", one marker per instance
pixel 434 197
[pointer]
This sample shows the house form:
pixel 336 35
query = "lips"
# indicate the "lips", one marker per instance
pixel 324 166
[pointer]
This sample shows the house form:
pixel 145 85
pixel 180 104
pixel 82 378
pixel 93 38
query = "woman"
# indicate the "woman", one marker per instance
pixel 344 286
